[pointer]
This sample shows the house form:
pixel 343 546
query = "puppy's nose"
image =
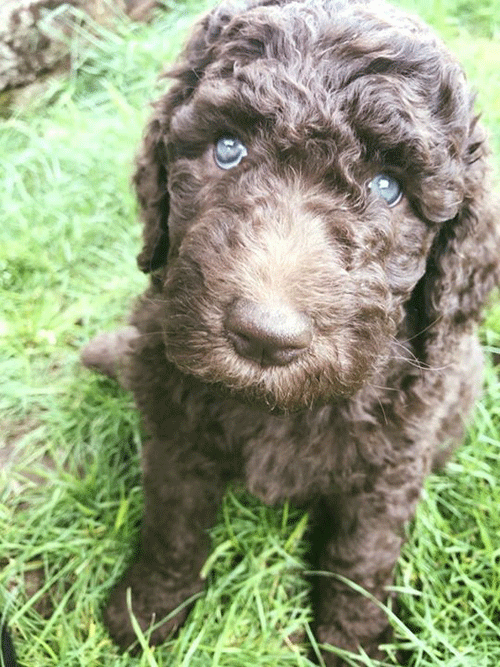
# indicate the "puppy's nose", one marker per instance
pixel 272 335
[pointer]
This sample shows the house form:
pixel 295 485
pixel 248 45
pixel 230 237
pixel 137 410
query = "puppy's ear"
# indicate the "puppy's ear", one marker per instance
pixel 150 181
pixel 151 175
pixel 464 264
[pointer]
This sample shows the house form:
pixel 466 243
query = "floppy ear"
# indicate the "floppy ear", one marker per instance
pixel 151 175
pixel 464 263
pixel 150 181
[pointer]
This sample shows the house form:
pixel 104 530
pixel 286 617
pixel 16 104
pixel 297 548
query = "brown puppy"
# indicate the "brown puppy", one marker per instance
pixel 321 239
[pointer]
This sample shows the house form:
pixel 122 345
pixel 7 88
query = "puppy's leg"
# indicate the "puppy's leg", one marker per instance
pixel 182 490
pixel 357 539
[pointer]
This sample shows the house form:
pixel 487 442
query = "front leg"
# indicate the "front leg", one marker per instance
pixel 182 490
pixel 358 538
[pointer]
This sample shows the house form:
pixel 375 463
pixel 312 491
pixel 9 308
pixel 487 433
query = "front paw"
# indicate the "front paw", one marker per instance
pixel 335 635
pixel 154 597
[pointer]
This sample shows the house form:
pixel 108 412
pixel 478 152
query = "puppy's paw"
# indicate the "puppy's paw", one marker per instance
pixel 154 602
pixel 335 635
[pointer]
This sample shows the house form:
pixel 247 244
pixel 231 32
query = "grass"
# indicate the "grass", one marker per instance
pixel 67 221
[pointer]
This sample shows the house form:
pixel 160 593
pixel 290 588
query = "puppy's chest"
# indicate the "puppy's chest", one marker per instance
pixel 291 459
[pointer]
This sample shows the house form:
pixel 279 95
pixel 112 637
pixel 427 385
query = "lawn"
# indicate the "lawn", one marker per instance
pixel 70 495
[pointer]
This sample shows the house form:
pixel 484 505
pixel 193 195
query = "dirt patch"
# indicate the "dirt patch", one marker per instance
pixel 13 457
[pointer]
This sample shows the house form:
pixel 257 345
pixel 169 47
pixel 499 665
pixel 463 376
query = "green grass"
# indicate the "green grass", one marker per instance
pixel 67 222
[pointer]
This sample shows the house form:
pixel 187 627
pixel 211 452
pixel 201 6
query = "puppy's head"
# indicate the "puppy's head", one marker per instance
pixel 313 175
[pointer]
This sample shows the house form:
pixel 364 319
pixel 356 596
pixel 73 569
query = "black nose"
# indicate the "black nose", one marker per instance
pixel 272 335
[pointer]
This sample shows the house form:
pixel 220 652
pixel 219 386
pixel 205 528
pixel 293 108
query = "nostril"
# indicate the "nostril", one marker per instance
pixel 268 333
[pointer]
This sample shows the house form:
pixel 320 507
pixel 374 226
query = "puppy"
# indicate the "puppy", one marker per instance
pixel 321 239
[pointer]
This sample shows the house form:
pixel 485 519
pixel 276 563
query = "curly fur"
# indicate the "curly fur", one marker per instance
pixel 7 653
pixel 325 94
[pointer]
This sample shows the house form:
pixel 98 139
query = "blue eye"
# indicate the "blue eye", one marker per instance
pixel 229 152
pixel 387 187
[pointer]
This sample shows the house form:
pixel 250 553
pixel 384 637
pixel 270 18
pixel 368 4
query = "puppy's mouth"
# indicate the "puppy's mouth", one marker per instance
pixel 288 370
pixel 284 344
